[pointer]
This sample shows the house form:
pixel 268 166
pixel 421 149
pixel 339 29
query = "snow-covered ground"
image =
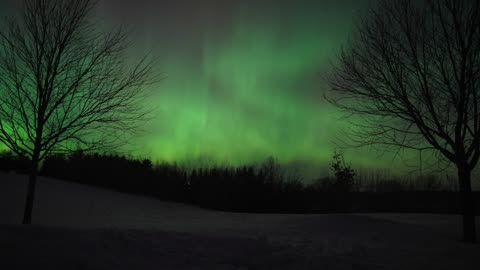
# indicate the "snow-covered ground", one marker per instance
pixel 81 227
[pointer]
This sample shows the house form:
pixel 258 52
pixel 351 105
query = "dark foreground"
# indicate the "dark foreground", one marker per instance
pixel 79 227
pixel 387 246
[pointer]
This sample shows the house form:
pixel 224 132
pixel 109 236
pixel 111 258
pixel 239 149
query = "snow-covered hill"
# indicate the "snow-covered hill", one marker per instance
pixel 81 227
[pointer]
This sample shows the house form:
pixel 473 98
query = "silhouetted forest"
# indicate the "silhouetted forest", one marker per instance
pixel 263 188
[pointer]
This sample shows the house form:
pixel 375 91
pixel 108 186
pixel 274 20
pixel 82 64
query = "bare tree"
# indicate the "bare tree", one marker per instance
pixel 64 84
pixel 412 74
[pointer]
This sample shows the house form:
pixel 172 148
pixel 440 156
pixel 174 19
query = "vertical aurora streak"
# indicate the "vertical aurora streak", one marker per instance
pixel 249 89
pixel 242 79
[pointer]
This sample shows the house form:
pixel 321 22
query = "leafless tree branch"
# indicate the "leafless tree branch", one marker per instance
pixel 412 73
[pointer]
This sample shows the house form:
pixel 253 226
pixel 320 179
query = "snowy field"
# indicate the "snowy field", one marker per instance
pixel 81 227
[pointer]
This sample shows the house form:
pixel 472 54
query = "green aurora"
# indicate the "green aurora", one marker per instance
pixel 243 80
pixel 253 88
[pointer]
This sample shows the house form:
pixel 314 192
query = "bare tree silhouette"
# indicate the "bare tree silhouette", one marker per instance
pixel 412 73
pixel 64 84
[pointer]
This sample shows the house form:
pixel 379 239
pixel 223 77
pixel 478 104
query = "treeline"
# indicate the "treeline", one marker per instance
pixel 254 188
pixel 12 163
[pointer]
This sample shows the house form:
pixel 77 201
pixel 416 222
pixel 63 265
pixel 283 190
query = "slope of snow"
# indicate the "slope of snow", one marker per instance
pixel 81 227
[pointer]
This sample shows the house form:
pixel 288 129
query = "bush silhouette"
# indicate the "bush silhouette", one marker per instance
pixel 344 174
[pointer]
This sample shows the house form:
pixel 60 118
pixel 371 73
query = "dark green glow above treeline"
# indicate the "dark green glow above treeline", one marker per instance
pixel 242 80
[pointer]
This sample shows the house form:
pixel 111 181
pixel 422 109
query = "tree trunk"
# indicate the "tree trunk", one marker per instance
pixel 32 181
pixel 467 205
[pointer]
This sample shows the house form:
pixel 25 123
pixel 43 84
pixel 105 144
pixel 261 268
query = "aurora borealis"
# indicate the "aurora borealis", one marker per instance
pixel 242 80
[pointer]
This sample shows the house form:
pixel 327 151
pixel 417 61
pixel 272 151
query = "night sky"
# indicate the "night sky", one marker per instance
pixel 243 80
